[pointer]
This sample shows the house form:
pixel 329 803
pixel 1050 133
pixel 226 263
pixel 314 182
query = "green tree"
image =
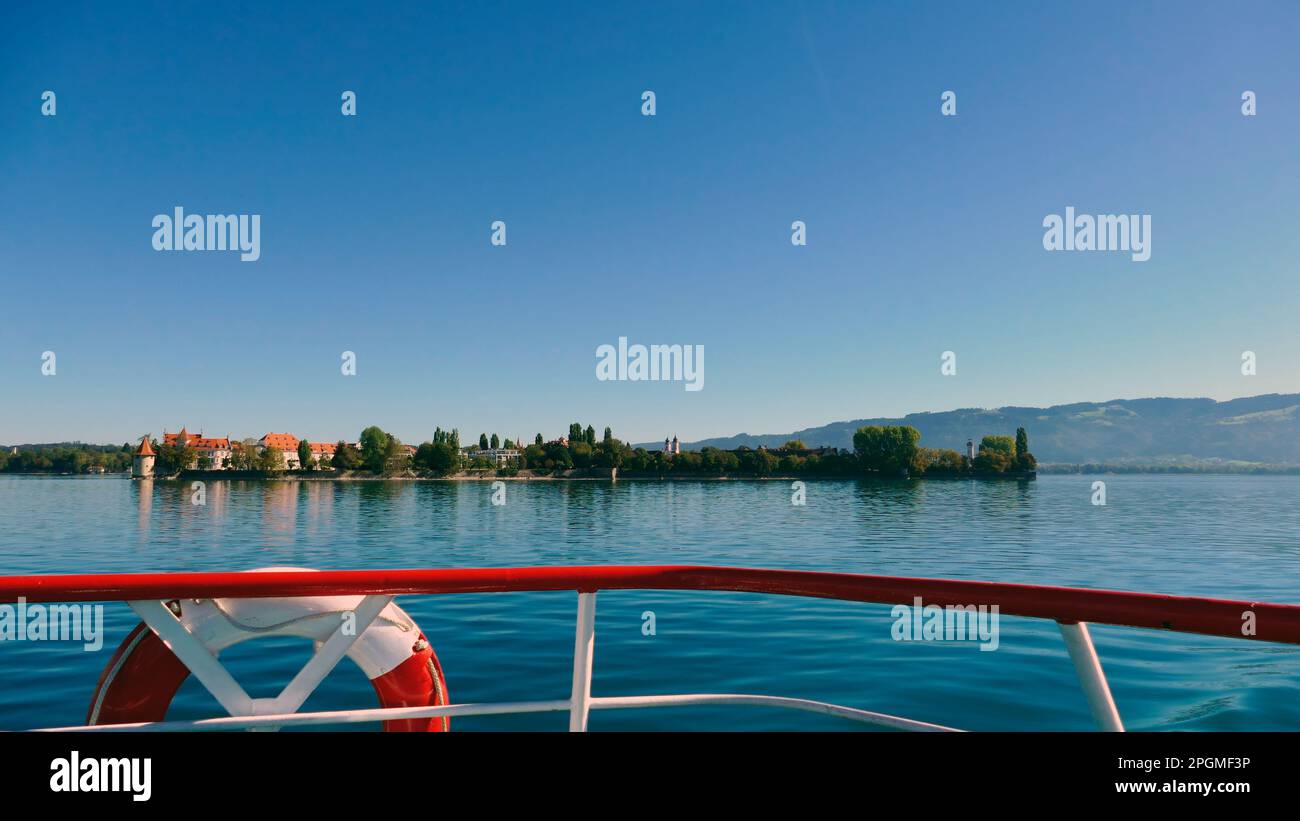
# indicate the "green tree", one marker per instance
pixel 346 457
pixel 888 450
pixel 243 455
pixel 175 458
pixel 1002 444
pixel 538 439
pixel 271 460
pixel 495 443
pixel 304 454
pixel 379 449
pixel 757 462
pixel 944 462
pixel 992 461
pixel 438 457
pixel 589 436
pixel 1025 460
pixel 482 441
pixel 534 456
pixel 582 453
pixel 560 456
pixel 611 453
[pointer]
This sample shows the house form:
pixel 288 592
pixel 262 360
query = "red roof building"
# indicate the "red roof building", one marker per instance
pixel 281 441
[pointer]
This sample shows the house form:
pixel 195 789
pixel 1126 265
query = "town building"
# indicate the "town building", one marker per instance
pixel 209 453
pixel 286 443
pixel 216 452
pixel 501 457
pixel 673 447
pixel 323 452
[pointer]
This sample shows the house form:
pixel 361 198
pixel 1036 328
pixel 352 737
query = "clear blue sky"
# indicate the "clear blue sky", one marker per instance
pixel 924 232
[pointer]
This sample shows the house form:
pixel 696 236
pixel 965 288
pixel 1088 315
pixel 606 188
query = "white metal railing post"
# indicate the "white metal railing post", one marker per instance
pixel 584 641
pixel 1088 667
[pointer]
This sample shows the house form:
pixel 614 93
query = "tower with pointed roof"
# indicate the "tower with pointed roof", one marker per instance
pixel 142 463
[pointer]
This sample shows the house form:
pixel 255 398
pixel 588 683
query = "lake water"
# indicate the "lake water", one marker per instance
pixel 1235 537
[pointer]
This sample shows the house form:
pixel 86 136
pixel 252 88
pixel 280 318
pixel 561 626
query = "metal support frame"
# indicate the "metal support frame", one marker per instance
pixel 1093 679
pixel 213 675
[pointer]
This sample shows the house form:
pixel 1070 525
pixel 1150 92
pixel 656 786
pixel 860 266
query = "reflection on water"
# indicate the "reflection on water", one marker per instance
pixel 1193 535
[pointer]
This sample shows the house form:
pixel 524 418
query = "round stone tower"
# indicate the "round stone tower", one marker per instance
pixel 142 464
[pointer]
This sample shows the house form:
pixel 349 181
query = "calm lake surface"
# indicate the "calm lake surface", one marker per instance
pixel 1236 537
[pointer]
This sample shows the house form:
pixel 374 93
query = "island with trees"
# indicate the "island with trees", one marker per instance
pixel 879 452
pixel 882 452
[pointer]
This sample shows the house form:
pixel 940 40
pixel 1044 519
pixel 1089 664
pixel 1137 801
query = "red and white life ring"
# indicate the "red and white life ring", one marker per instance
pixel 142 677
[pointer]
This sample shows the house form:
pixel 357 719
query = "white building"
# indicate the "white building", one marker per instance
pixel 501 457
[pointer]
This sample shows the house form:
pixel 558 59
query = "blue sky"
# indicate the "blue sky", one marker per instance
pixel 924 232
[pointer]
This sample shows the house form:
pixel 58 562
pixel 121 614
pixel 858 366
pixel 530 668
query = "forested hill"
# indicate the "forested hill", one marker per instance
pixel 1254 429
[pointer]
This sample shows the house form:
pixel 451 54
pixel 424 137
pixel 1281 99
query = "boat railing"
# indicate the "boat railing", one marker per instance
pixel 1073 609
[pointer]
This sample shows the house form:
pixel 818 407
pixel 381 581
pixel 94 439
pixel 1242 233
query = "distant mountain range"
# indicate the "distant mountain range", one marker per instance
pixel 1263 429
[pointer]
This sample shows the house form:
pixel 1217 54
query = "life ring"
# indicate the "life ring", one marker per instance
pixel 143 675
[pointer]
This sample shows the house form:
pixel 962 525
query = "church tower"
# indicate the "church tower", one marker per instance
pixel 142 464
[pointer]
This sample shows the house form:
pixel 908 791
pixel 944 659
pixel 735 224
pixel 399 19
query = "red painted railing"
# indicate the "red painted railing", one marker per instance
pixel 1214 617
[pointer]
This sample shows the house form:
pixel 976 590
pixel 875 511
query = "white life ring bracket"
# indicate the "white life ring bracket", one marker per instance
pixel 370 629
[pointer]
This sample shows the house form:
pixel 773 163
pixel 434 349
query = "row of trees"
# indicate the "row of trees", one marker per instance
pixel 72 457
pixel 890 451
pixel 894 451
pixel 380 452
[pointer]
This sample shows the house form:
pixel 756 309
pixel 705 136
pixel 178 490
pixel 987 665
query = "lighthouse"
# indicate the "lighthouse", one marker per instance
pixel 142 464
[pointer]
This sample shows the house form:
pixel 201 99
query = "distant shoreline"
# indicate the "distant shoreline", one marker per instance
pixel 577 475
pixel 1046 469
